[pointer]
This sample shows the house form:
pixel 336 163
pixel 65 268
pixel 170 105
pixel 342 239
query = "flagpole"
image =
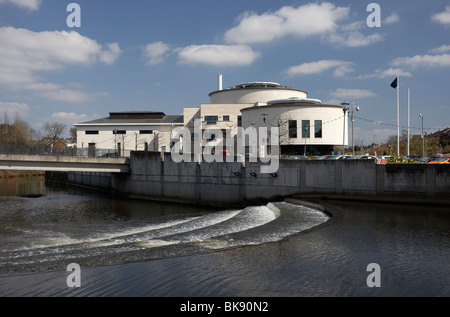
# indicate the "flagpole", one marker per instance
pixel 398 115
pixel 409 117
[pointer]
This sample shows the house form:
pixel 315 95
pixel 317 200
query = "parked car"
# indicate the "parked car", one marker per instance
pixel 323 157
pixel 364 157
pixel 441 160
pixel 333 157
pixel 426 159
pixel 295 157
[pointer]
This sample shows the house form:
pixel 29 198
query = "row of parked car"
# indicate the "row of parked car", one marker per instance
pixel 393 159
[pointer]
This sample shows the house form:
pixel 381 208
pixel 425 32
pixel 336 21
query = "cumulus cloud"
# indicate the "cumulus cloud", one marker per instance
pixel 387 73
pixel 155 52
pixel 218 55
pixel 442 17
pixel 354 38
pixel 70 117
pixel 393 18
pixel 428 61
pixel 111 55
pixel 13 107
pixel 441 49
pixel 352 93
pixel 340 68
pixel 305 20
pixel 24 54
pixel 32 5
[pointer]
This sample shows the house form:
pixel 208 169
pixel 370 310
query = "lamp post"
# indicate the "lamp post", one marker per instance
pixel 353 120
pixel 345 109
pixel 306 134
pixel 265 116
pixel 423 140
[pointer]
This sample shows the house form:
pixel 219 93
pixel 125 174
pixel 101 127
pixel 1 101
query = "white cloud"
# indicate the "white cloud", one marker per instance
pixel 354 38
pixel 423 61
pixel 111 55
pixel 218 55
pixel 32 5
pixel 70 117
pixel 340 68
pixel 14 107
pixel 352 93
pixel 393 18
pixel 57 92
pixel 442 17
pixel 305 20
pixel 24 54
pixel 441 49
pixel 390 72
pixel 155 52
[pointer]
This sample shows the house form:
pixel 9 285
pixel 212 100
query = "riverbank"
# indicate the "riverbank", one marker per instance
pixel 14 174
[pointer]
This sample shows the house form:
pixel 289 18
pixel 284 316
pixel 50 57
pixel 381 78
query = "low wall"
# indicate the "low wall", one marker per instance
pixel 228 184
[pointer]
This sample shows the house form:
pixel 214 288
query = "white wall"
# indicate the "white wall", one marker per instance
pixel 332 122
pixel 130 141
pixel 254 95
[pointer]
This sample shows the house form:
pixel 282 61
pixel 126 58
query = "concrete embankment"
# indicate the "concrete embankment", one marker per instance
pixel 234 184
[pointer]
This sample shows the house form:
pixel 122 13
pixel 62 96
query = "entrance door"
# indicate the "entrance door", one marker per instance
pixel 91 150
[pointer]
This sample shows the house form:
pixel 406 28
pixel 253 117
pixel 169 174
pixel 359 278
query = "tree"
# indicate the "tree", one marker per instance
pixel 54 131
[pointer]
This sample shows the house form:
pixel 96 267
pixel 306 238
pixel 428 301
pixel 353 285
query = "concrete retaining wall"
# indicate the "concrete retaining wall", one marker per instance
pixel 228 184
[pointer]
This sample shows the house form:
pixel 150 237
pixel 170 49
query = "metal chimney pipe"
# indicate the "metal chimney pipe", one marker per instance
pixel 219 81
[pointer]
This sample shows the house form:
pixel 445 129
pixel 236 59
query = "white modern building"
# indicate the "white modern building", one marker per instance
pixel 123 132
pixel 305 125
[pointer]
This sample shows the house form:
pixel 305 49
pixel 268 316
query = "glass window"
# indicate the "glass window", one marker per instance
pixel 92 132
pixel 305 129
pixel 239 121
pixel 292 129
pixel 119 132
pixel 317 128
pixel 226 118
pixel 146 132
pixel 211 119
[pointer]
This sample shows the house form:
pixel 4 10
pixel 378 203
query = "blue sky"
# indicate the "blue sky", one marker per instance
pixel 165 55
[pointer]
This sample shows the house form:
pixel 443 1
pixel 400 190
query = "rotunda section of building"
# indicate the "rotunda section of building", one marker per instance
pixel 305 126
pixel 253 92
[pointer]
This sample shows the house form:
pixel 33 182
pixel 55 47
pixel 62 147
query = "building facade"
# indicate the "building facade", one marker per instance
pixel 305 126
pixel 123 132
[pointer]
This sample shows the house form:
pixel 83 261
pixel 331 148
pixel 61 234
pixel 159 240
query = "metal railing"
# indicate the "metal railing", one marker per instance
pixel 58 151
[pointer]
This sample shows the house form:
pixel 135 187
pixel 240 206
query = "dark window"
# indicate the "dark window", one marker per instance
pixel 293 129
pixel 226 118
pixel 211 119
pixel 305 129
pixel 120 132
pixel 146 132
pixel 239 121
pixel 317 128
pixel 92 132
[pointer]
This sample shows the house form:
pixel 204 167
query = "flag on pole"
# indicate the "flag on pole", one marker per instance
pixel 394 83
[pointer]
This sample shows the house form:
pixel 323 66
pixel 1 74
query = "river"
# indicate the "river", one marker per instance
pixel 282 249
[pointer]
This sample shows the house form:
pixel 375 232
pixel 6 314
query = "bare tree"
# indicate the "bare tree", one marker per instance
pixel 54 131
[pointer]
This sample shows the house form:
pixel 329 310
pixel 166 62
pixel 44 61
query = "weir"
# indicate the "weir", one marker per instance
pixel 155 176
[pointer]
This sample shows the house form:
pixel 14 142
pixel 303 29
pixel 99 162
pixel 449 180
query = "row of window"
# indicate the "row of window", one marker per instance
pixel 306 129
pixel 117 132
pixel 225 118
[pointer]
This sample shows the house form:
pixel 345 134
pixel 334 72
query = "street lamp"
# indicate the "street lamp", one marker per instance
pixel 306 134
pixel 423 140
pixel 353 120
pixel 345 109
pixel 264 115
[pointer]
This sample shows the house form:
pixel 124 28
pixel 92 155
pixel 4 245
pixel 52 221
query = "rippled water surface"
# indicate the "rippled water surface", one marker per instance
pixel 139 248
